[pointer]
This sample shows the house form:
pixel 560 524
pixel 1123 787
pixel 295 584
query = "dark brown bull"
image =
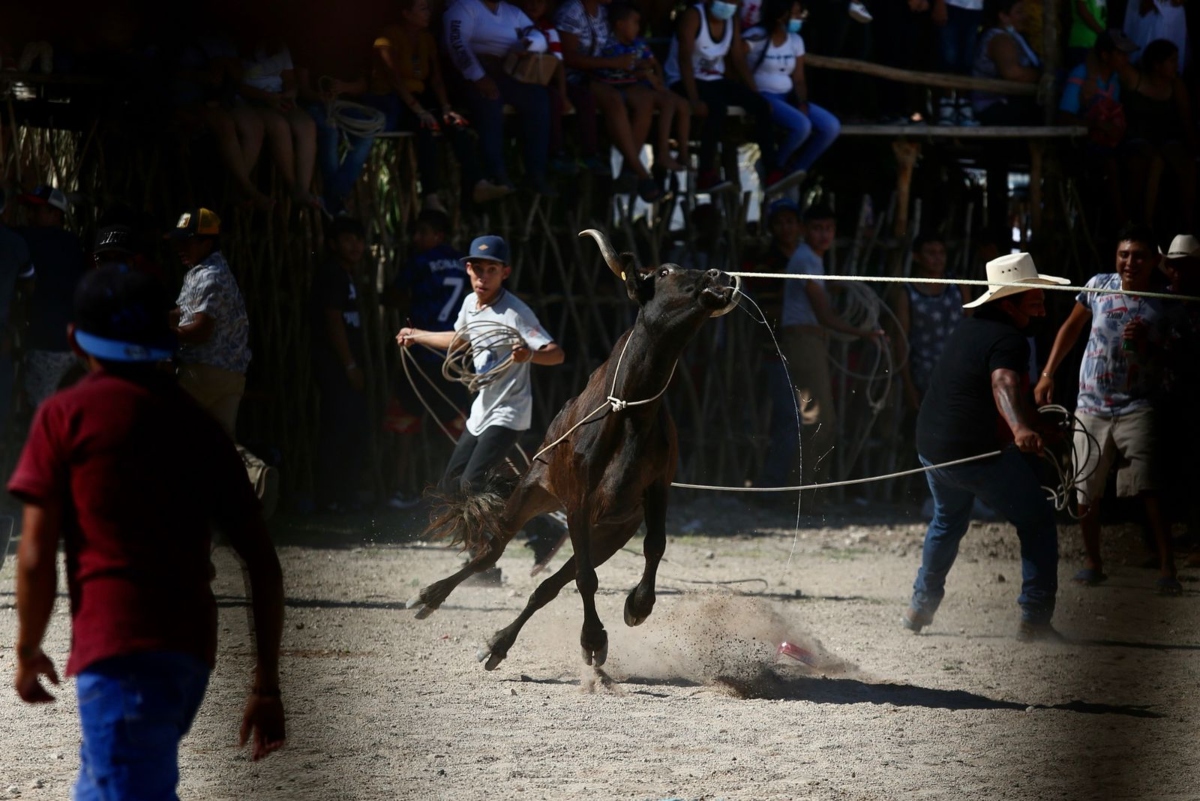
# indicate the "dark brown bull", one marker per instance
pixel 608 458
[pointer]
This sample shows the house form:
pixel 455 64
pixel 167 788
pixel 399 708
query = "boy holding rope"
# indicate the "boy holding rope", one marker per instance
pixel 504 335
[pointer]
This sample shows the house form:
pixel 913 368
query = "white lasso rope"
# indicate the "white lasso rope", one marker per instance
pixel 352 119
pixel 612 402
pixel 889 279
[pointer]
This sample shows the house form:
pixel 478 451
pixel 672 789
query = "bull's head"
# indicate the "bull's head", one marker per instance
pixel 669 283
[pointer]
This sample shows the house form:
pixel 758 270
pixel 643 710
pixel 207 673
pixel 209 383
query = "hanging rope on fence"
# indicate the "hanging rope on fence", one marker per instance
pixel 352 119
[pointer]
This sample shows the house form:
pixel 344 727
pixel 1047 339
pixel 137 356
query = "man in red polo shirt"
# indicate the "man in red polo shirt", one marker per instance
pixel 101 471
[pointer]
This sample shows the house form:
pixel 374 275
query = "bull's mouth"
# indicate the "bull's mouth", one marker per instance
pixel 723 299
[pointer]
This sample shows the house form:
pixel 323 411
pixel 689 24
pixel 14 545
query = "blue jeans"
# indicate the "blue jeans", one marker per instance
pixel 134 710
pixel 1009 485
pixel 785 431
pixel 956 39
pixel 532 104
pixel 399 117
pixel 808 135
pixel 338 173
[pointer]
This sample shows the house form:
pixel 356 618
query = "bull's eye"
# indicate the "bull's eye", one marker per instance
pixel 663 273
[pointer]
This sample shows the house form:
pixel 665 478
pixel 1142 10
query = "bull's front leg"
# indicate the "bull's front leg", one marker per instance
pixel 593 638
pixel 640 602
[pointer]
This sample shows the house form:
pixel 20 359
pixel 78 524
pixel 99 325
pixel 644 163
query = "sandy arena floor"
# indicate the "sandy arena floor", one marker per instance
pixel 383 706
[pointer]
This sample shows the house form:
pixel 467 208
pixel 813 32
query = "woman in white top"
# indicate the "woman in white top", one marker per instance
pixel 777 59
pixel 269 86
pixel 708 39
pixel 479 35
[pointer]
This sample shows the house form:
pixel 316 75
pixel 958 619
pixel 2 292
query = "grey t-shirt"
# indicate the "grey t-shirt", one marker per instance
pixel 507 402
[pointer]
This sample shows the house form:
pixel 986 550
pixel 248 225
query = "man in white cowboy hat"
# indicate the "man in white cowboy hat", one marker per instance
pixel 1181 383
pixel 977 403
pixel 1119 384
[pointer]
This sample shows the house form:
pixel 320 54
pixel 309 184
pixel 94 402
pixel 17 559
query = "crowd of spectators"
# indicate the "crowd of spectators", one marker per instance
pixel 554 76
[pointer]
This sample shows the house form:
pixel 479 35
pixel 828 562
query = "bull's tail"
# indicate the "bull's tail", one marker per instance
pixel 471 520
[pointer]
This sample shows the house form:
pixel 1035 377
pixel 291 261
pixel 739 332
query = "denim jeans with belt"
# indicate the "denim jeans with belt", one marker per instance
pixel 1009 485
pixel 339 173
pixel 134 710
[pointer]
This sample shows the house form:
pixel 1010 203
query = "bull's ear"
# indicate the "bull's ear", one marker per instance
pixel 632 274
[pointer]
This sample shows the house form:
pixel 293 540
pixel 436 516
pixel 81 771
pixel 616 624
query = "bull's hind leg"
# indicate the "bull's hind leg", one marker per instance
pixel 640 602
pixel 547 591
pixel 527 500
pixel 429 599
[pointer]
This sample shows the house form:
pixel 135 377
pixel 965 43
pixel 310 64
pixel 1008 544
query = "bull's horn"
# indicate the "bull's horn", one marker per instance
pixel 606 250
pixel 734 299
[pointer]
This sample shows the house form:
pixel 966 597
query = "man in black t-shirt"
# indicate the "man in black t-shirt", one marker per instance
pixel 977 403
pixel 338 355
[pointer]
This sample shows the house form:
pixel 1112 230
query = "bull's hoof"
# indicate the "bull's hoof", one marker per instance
pixel 632 618
pixel 596 656
pixel 424 609
pixel 493 659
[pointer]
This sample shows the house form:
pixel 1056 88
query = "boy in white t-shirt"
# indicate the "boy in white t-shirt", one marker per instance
pixel 503 409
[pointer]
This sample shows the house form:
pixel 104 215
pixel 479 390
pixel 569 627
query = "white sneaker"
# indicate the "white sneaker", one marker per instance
pixel 859 13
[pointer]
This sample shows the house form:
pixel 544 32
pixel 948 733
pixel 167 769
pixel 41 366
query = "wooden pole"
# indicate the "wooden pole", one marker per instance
pixel 941 80
pixel 906 153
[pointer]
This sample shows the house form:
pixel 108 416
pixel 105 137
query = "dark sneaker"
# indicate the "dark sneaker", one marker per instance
pixel 914 621
pixel 547 534
pixel 1089 577
pixel 1169 586
pixel 1028 631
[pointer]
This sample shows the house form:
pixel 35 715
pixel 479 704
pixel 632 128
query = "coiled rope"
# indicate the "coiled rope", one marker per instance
pixel 352 119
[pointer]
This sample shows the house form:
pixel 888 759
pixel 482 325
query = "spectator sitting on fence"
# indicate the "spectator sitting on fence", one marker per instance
pixel 1119 385
pixel 207 73
pixel 1089 19
pixel 777 61
pixel 707 42
pixel 335 125
pixel 1149 20
pixel 560 102
pixel 269 86
pixel 214 335
pixel 1092 97
pixel 339 359
pixel 1160 135
pixel 407 85
pixel 957 23
pixel 16 283
pixel 584 29
pixel 60 262
pixel 647 77
pixel 428 292
pixel 481 35
pixel 905 46
pixel 925 316
pixel 1004 53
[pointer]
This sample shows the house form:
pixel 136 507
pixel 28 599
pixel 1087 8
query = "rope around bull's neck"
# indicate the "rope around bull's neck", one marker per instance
pixel 612 401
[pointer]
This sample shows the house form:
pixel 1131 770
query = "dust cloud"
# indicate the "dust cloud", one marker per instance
pixel 731 641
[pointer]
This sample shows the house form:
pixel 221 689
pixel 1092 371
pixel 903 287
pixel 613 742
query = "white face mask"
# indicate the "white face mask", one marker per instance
pixel 723 10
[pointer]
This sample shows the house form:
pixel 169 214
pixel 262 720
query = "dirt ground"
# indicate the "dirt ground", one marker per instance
pixel 383 706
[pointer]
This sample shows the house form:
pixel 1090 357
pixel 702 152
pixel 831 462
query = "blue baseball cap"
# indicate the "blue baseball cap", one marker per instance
pixel 489 248
pixel 783 205
pixel 121 316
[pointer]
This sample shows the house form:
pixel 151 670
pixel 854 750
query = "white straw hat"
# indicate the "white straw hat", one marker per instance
pixel 1184 246
pixel 1012 275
